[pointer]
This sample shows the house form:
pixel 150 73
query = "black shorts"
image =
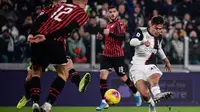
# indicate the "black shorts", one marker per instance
pixel 113 62
pixel 48 52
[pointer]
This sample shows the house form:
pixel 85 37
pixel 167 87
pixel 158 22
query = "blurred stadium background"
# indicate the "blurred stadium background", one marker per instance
pixel 181 36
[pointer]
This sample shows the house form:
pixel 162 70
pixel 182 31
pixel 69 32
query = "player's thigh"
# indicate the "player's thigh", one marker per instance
pixel 38 58
pixel 136 75
pixel 119 66
pixel 56 53
pixel 105 67
pixel 153 73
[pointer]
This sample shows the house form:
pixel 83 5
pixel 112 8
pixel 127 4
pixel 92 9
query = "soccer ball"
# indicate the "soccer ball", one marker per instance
pixel 112 96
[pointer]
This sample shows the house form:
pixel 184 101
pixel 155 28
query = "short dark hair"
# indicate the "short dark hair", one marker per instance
pixel 157 20
pixel 112 7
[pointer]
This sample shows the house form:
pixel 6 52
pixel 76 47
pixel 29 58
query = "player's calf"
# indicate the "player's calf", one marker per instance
pixel 132 87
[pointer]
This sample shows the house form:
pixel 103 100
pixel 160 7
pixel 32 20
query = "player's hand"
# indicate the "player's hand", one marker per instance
pixel 168 67
pixel 99 36
pixel 31 38
pixel 106 31
pixel 147 43
pixel 40 38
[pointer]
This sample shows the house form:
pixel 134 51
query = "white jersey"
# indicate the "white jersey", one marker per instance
pixel 146 55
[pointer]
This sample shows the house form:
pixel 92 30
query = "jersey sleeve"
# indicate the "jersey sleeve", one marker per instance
pixel 47 10
pixel 161 53
pixel 138 34
pixel 82 18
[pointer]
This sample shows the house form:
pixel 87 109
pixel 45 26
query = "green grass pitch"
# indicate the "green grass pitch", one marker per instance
pixel 111 109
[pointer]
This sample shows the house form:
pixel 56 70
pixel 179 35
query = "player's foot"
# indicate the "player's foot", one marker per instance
pixel 152 108
pixel 162 96
pixel 36 107
pixel 22 102
pixel 84 82
pixel 138 99
pixel 46 107
pixel 102 106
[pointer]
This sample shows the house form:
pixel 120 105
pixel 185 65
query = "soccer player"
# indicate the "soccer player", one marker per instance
pixel 73 74
pixel 46 38
pixel 147 43
pixel 113 56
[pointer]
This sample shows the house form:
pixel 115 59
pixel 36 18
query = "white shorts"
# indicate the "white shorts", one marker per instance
pixel 143 72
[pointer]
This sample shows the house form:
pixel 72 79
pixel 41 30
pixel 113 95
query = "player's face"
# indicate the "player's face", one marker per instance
pixel 157 29
pixel 112 14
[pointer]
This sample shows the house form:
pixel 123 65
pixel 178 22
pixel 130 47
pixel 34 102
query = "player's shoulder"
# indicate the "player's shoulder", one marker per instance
pixel 142 29
pixel 121 22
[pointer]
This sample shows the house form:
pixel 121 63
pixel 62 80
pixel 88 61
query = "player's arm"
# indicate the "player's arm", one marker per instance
pixel 120 31
pixel 137 38
pixel 162 55
pixel 118 36
pixel 42 17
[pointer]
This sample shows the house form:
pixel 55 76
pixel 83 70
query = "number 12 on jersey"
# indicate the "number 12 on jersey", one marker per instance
pixel 62 10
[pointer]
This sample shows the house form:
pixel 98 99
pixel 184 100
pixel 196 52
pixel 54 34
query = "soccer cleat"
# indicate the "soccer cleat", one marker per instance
pixel 46 107
pixel 102 106
pixel 22 102
pixel 84 82
pixel 36 107
pixel 138 99
pixel 152 108
pixel 162 96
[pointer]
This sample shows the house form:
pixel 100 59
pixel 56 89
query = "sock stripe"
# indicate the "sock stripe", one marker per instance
pixel 35 89
pixel 35 94
pixel 55 90
pixel 53 95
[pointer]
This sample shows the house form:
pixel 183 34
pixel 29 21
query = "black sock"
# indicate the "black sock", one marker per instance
pixel 103 87
pixel 55 89
pixel 27 87
pixel 131 86
pixel 35 89
pixel 74 77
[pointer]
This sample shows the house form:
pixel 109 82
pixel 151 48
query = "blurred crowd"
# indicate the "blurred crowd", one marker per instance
pixel 182 21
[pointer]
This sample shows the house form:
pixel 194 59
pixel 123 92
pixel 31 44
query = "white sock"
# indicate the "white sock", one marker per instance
pixel 47 106
pixel 151 102
pixel 104 101
pixel 137 93
pixel 155 90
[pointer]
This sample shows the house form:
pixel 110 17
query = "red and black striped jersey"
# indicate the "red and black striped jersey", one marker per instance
pixel 113 46
pixel 61 20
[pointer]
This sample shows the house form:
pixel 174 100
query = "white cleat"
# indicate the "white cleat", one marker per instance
pixel 36 107
pixel 46 107
pixel 152 108
pixel 162 96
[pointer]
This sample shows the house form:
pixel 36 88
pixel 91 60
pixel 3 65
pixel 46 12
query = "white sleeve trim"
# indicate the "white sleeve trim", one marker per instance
pixel 135 42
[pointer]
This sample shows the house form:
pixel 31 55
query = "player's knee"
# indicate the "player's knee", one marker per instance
pixel 36 71
pixel 104 74
pixel 123 77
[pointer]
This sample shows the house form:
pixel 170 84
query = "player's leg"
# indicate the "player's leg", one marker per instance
pixel 60 64
pixel 138 76
pixel 119 67
pixel 145 93
pixel 154 82
pixel 38 60
pixel 25 99
pixel 75 77
pixel 56 87
pixel 104 72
